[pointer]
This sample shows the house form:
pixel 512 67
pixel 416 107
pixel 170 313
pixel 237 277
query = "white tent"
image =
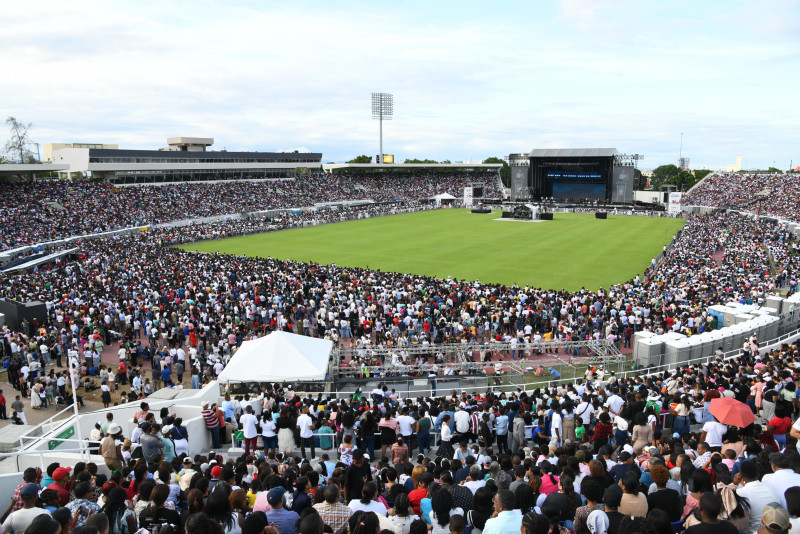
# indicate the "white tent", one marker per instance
pixel 443 196
pixel 279 357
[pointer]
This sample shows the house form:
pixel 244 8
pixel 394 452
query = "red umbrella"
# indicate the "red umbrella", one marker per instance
pixel 731 412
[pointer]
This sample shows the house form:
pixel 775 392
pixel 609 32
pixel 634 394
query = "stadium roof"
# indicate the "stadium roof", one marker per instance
pixel 181 154
pixel 30 168
pixel 573 152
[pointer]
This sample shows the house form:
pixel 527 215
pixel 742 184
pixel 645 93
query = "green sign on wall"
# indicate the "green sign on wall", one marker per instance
pixel 66 434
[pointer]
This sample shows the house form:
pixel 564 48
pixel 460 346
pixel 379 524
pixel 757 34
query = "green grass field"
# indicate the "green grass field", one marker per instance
pixel 571 252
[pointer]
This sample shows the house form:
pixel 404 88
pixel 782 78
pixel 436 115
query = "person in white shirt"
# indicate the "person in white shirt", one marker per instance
pixel 783 476
pixel 585 410
pixel 406 424
pixel 367 503
pixel 461 419
pixel 305 424
pixel 757 493
pixel 248 422
pixel 712 434
pixel 615 403
pixel 475 480
pixel 268 435
pixel 556 428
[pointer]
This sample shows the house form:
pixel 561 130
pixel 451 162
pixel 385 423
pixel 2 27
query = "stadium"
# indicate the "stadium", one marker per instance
pixel 175 300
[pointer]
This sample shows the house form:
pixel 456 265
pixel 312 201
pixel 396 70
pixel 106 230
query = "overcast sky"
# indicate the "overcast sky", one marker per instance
pixel 470 79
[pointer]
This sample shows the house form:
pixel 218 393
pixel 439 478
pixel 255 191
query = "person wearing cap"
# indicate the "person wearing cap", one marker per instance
pixel 60 480
pixel 18 521
pixel 110 448
pixel 31 475
pixel 774 520
pixel 710 508
pixel 282 518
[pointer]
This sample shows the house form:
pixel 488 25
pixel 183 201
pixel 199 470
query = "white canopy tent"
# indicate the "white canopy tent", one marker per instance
pixel 279 357
pixel 443 198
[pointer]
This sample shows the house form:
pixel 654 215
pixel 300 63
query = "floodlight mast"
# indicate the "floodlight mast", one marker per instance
pixel 382 109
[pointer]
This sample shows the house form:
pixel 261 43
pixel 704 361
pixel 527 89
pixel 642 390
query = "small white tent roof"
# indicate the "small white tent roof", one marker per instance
pixel 279 357
pixel 444 196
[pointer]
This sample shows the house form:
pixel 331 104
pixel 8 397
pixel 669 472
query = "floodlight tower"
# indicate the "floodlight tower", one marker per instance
pixel 382 109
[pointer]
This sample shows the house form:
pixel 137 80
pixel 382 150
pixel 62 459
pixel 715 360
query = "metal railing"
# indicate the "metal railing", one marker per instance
pixel 31 453
pixel 451 352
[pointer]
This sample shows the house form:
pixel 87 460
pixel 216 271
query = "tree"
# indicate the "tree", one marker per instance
pixel 17 146
pixel 422 161
pixel 361 159
pixel 445 162
pixel 774 170
pixel 685 180
pixel 664 174
pixel 505 170
pixel 639 180
pixel 701 173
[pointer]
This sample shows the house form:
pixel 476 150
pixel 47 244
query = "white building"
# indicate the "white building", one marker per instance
pixel 186 160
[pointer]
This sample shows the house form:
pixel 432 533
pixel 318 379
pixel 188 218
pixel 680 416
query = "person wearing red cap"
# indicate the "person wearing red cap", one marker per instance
pixel 61 478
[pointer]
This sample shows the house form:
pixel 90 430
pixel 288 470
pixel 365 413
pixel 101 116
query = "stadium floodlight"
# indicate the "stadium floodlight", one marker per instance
pixel 382 109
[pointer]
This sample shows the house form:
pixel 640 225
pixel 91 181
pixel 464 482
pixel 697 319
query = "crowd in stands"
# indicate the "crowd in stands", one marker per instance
pixel 48 209
pixel 602 455
pixel 619 455
pixel 154 300
pixel 774 195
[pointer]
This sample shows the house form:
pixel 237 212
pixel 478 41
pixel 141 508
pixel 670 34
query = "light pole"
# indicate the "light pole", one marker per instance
pixel 382 109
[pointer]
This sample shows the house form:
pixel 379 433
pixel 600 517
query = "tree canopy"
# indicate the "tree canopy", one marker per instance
pixel 422 161
pixel 361 159
pixel 505 170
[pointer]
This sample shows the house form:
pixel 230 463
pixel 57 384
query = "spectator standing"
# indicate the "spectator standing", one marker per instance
pixel 212 424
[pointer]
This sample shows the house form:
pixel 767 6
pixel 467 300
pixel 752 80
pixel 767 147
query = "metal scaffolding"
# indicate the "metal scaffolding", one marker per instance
pixel 470 358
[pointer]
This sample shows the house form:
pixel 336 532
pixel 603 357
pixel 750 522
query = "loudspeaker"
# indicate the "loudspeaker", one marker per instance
pixel 601 215
pixel 546 216
pixel 507 215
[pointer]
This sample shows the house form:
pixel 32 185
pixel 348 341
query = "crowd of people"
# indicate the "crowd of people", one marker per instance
pixel 48 209
pixel 774 195
pixel 603 455
pixel 153 299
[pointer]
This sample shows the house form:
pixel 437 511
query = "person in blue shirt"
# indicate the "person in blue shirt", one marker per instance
pixel 501 427
pixel 228 410
pixel 506 520
pixel 282 518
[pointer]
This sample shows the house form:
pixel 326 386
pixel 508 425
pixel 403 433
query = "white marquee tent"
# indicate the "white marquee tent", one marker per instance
pixel 443 198
pixel 279 357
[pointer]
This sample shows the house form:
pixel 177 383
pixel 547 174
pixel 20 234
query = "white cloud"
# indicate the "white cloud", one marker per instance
pixel 470 80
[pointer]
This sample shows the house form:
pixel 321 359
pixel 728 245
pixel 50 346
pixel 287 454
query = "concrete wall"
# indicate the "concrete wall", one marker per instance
pixel 188 408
